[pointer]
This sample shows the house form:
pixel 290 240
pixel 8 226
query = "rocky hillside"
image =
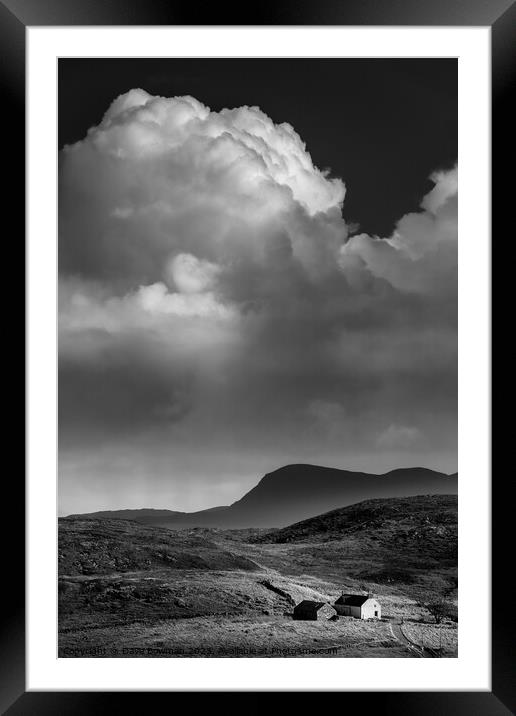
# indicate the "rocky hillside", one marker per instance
pixel 429 517
pixel 88 546
pixel 397 540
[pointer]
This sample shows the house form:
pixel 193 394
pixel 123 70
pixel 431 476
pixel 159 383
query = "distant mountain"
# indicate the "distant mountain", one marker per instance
pixel 296 492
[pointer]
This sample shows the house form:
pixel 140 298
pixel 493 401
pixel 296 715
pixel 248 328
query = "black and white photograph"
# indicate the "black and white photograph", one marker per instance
pixel 257 357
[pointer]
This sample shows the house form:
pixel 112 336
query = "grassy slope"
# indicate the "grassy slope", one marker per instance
pixel 431 517
pixel 88 546
pixel 407 542
pixel 124 583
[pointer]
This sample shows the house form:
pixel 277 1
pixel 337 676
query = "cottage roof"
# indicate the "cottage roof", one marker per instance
pixel 352 600
pixel 308 604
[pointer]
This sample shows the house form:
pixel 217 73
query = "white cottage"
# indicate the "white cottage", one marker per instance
pixel 360 606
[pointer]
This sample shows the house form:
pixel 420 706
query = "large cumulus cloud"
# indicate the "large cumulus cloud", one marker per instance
pixel 161 176
pixel 213 300
pixel 421 254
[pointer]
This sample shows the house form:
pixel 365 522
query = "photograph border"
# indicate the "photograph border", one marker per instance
pixel 15 17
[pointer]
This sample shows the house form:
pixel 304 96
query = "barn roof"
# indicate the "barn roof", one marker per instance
pixel 352 600
pixel 308 604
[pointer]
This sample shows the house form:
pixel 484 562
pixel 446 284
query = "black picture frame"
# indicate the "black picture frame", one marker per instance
pixel 500 15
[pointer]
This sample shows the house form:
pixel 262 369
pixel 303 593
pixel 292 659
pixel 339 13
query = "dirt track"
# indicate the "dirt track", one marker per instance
pixel 398 634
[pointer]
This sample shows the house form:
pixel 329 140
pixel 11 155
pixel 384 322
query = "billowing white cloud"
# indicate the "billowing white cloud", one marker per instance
pixel 421 254
pixel 162 177
pixel 209 294
pixel 445 189
pixel 240 145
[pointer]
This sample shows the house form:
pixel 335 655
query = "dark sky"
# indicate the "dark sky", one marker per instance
pixel 257 266
pixel 382 125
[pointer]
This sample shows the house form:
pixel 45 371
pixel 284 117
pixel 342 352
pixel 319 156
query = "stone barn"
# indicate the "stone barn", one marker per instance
pixel 360 606
pixel 313 611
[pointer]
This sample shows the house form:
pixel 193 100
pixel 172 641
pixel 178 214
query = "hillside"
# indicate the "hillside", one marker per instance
pixel 296 492
pixel 409 541
pixel 124 586
pixel 143 515
pixel 88 546
pixel 430 517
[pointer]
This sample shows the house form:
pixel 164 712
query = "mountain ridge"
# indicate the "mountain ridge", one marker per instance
pixel 295 492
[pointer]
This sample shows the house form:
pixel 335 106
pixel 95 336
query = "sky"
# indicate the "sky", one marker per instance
pixel 257 266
